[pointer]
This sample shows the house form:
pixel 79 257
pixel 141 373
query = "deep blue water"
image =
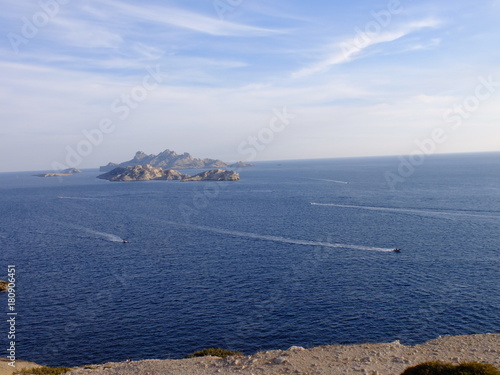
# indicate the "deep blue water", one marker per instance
pixel 251 265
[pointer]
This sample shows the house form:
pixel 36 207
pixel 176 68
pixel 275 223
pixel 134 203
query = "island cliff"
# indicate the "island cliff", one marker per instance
pixel 142 173
pixel 53 174
pixel 168 159
pixel 240 164
pixel 171 160
pixel 215 175
pixel 71 171
pixel 64 173
pixel 148 172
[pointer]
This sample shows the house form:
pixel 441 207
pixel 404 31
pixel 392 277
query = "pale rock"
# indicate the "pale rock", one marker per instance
pixel 279 360
pixel 215 175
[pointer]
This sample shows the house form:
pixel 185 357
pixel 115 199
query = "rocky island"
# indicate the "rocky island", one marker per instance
pixel 148 172
pixel 71 171
pixel 240 164
pixel 215 175
pixel 53 174
pixel 142 173
pixel 64 173
pixel 171 160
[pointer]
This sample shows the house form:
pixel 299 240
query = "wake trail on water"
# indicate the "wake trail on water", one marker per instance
pixel 107 236
pixel 102 235
pixel 79 198
pixel 282 239
pixel 408 210
pixel 323 179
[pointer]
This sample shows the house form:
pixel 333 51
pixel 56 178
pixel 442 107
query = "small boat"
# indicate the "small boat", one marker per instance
pixel 124 241
pixel 397 250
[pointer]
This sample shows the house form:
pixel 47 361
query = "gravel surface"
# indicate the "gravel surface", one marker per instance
pixel 372 359
pixel 5 369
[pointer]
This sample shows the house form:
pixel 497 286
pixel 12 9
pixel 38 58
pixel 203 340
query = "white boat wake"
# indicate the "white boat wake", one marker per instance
pixel 323 179
pixel 79 198
pixel 106 236
pixel 102 235
pixel 283 239
pixel 407 210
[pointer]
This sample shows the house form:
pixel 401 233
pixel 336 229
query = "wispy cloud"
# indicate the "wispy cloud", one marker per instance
pixel 433 43
pixel 188 20
pixel 80 33
pixel 352 47
pixel 220 73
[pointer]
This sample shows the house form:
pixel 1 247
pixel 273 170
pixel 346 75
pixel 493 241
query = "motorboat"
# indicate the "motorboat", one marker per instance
pixel 397 250
pixel 124 241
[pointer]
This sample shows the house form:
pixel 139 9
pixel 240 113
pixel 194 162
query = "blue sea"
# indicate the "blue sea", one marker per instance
pixel 295 253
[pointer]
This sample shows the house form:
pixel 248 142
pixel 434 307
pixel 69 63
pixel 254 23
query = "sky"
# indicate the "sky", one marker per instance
pixel 87 82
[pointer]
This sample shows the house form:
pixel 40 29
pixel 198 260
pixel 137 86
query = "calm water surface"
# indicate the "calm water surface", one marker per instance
pixel 251 265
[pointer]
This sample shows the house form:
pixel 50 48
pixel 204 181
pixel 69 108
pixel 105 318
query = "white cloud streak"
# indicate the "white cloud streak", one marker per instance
pixel 352 48
pixel 188 20
pixel 78 33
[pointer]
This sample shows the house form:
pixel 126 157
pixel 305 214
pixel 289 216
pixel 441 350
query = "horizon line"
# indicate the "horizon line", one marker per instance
pixel 291 160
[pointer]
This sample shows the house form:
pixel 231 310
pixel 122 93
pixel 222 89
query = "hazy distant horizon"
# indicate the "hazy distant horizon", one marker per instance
pixel 104 79
pixel 268 161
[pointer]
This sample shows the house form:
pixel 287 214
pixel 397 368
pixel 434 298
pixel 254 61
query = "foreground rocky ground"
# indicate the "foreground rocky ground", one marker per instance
pixel 5 369
pixel 381 359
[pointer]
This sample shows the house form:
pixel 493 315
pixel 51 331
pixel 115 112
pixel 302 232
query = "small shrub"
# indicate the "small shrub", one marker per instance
pixel 475 368
pixel 429 368
pixel 216 352
pixel 44 370
pixel 440 368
